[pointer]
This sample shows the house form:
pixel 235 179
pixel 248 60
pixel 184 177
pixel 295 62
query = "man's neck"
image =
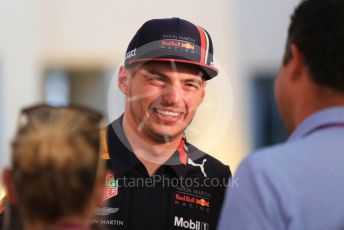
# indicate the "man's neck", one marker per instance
pixel 321 102
pixel 151 153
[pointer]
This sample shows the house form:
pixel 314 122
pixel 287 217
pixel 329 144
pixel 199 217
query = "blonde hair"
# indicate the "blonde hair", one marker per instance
pixel 55 162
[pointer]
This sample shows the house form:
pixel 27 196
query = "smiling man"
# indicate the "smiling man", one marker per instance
pixel 158 180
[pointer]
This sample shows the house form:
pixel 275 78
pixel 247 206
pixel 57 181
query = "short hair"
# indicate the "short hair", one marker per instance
pixel 317 29
pixel 55 162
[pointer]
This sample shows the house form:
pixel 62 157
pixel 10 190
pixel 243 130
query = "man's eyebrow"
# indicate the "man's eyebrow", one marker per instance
pixel 153 72
pixel 199 78
pixel 199 81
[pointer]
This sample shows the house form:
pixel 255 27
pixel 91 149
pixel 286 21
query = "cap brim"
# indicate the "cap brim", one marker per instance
pixel 210 71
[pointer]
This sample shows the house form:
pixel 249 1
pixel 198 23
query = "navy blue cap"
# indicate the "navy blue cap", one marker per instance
pixel 172 39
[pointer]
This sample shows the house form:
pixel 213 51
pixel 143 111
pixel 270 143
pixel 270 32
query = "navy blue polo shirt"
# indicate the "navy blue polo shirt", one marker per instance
pixel 180 195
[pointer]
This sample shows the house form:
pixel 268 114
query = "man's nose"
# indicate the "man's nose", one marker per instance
pixel 173 93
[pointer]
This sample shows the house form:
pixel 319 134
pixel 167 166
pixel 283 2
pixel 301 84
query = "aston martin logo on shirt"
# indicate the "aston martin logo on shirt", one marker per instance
pixel 105 211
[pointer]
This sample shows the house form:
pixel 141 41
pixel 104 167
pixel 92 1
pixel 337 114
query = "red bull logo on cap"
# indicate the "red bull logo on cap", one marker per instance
pixel 171 43
pixel 188 46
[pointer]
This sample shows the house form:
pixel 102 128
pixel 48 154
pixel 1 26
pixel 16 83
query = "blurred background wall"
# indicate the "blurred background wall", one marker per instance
pixel 69 51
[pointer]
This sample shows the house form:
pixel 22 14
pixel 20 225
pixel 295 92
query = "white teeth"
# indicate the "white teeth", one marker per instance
pixel 168 113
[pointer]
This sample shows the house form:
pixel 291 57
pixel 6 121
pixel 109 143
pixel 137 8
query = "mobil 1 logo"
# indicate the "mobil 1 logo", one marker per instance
pixel 190 224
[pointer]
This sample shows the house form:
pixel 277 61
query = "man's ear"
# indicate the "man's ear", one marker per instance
pixel 8 181
pixel 123 78
pixel 296 62
pixel 204 84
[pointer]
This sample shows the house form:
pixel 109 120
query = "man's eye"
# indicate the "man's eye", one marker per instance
pixel 156 80
pixel 192 85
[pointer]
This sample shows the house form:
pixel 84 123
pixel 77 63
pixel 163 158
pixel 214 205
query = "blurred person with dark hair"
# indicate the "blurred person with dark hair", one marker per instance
pixel 299 184
pixel 57 177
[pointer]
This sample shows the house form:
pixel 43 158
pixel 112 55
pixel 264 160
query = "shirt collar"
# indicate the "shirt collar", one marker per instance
pixel 123 159
pixel 320 118
pixel 180 168
pixel 179 160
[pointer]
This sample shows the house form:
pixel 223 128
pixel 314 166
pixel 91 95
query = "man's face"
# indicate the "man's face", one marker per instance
pixel 162 99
